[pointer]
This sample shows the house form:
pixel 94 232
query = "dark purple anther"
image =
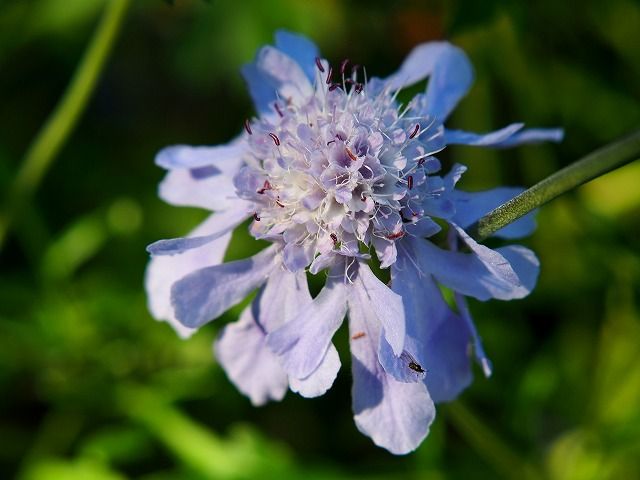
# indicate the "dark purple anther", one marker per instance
pixel 319 64
pixel 343 66
pixel 256 217
pixel 247 126
pixel 415 131
pixel 334 237
pixel 333 86
pixel 275 138
pixel 410 182
pixel 277 107
pixel 421 161
pixel 265 187
pixel 329 75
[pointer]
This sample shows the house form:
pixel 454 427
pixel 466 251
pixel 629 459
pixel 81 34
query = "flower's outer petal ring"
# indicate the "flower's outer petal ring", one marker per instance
pixel 250 365
pixel 322 379
pixel 303 342
pixel 301 49
pixel 396 415
pixel 508 136
pixel 162 272
pixel 451 76
pixel 205 294
pixel 225 221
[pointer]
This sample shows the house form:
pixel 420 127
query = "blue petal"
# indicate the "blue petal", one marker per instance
pixel 396 415
pixel 301 49
pixel 163 272
pixel 508 136
pixel 224 158
pixel 181 188
pixel 524 262
pixel 450 71
pixel 284 296
pixel 478 349
pixel 471 206
pixel 483 276
pixel 385 306
pixel 205 294
pixel 261 90
pixel 437 338
pixel 321 379
pixel 460 137
pixel 250 365
pixel 303 342
pixel 284 74
pixel 220 223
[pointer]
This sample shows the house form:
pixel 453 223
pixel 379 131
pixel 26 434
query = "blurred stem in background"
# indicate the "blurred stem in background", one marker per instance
pixel 488 445
pixel 589 167
pixel 60 124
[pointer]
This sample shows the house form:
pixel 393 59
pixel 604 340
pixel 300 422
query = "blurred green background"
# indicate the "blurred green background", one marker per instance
pixel 91 387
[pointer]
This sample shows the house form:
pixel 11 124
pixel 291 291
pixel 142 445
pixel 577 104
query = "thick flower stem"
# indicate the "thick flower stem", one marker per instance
pixel 64 118
pixel 593 165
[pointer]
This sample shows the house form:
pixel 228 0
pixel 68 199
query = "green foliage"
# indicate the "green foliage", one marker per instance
pixel 93 388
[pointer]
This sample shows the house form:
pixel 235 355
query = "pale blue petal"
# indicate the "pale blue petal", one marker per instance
pixel 163 272
pixel 284 74
pixel 250 365
pixel 284 296
pixel 460 137
pixel 498 265
pixel 303 342
pixel 524 262
pixel 205 294
pixel 222 158
pixel 437 338
pixel 262 91
pixel 301 49
pixel 396 415
pixel 385 306
pixel 181 188
pixel 450 71
pixel 322 379
pixel 478 349
pixel 471 206
pixel 221 223
pixel 508 136
pixel 467 273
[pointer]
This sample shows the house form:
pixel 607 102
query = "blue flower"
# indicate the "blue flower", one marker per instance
pixel 331 170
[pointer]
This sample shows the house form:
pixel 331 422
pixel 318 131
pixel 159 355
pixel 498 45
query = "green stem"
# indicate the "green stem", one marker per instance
pixel 488 445
pixel 593 165
pixel 64 118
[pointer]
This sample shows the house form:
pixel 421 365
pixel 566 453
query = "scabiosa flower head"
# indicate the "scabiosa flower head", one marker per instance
pixel 332 171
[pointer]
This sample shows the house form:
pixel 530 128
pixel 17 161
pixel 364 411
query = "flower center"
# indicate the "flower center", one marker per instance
pixel 346 166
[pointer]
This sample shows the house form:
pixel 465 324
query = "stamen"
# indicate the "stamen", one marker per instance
pixel 279 203
pixel 329 75
pixel 247 126
pixel 351 155
pixel 395 236
pixel 256 217
pixel 266 186
pixel 334 237
pixel 410 182
pixel 275 138
pixel 343 66
pixel 319 64
pixel 422 160
pixel 415 131
pixel 330 142
pixel 277 107
pixel 358 335
pixel 333 86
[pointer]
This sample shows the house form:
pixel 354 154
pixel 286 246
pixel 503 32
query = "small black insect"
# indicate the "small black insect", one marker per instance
pixel 416 367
